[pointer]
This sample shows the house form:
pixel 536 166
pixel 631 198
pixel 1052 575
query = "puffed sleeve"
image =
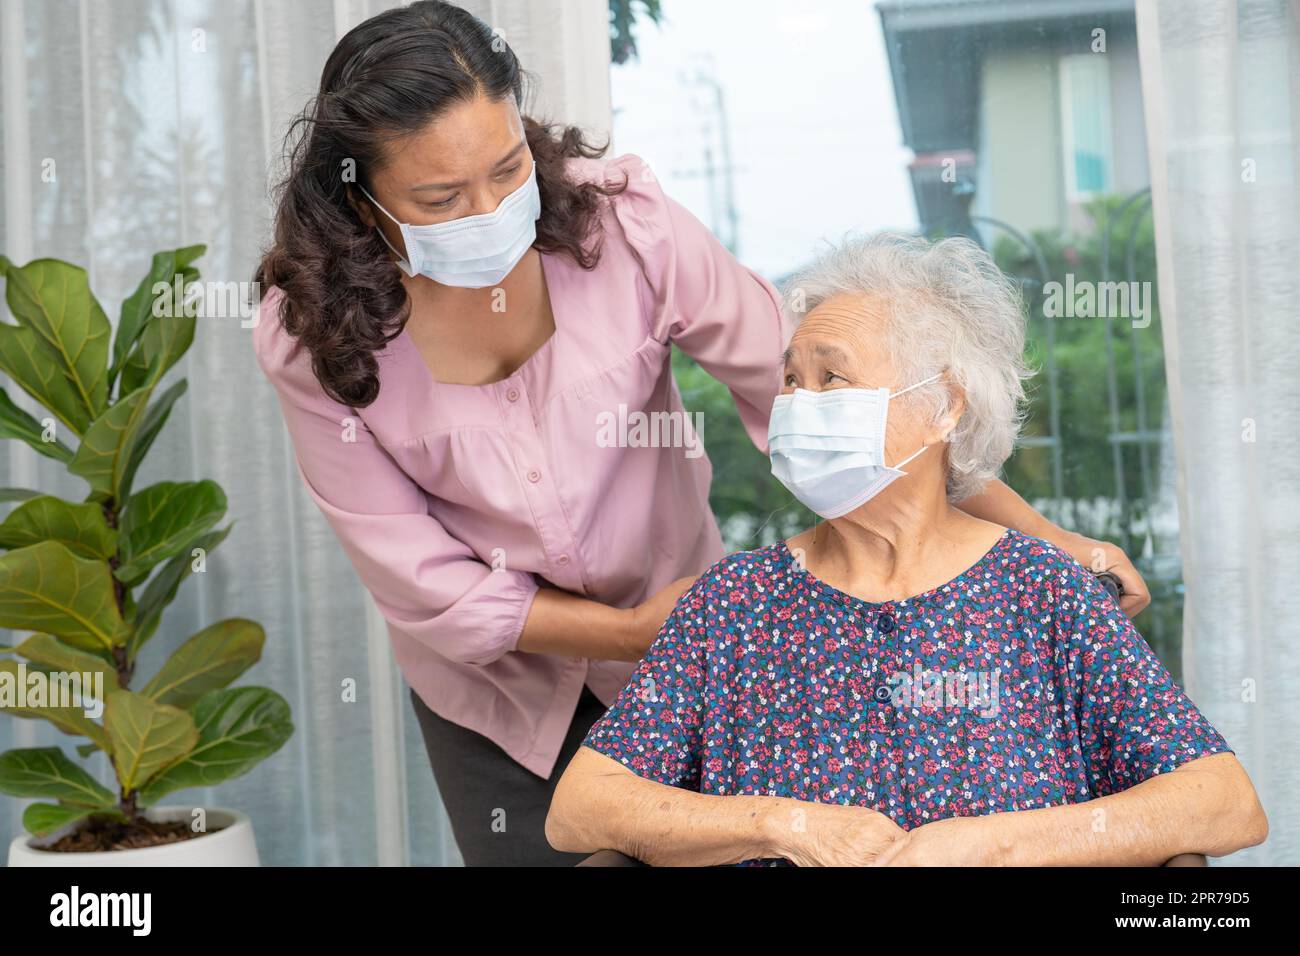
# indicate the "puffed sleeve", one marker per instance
pixel 426 583
pixel 1134 721
pixel 653 726
pixel 725 316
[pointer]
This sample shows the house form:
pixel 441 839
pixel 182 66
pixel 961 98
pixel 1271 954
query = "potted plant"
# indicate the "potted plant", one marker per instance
pixel 90 580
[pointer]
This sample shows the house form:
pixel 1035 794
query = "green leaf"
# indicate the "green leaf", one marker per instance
pixel 137 309
pixel 50 651
pixel 211 659
pixel 146 737
pixel 162 587
pixel 24 361
pixel 164 340
pixel 42 819
pixel 17 494
pixel 238 728
pixel 16 423
pixel 53 299
pixel 106 448
pixel 71 720
pixel 47 588
pixel 161 520
pixel 81 527
pixel 155 417
pixel 46 772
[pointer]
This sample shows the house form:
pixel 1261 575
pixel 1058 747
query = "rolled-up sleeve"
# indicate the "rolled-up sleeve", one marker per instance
pixel 1134 721
pixel 653 727
pixel 722 314
pixel 427 584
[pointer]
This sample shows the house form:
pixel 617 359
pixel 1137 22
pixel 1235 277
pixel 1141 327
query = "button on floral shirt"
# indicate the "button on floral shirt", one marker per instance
pixel 1018 684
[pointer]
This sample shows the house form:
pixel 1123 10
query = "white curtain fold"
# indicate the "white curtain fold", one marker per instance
pixel 1221 84
pixel 163 121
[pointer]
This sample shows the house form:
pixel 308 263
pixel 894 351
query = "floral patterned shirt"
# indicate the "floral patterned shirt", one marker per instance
pixel 1018 684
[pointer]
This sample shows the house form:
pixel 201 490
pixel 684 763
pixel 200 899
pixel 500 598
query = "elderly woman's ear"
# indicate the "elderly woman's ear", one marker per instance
pixel 947 423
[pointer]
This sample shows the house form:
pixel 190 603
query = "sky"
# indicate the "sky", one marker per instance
pixel 815 141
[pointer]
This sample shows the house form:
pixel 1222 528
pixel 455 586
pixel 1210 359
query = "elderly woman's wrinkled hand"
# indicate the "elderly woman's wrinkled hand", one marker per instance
pixel 953 841
pixel 832 834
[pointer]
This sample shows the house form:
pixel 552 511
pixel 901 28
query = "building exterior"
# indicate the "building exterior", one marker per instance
pixel 1020 110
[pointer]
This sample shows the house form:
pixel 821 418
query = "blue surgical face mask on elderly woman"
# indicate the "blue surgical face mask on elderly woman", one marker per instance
pixel 828 447
pixel 472 252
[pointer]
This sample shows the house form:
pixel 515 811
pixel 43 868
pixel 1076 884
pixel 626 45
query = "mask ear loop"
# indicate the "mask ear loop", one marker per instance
pixel 375 202
pixel 926 381
pixel 910 457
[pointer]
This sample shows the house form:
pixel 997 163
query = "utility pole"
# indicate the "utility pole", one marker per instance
pixel 718 175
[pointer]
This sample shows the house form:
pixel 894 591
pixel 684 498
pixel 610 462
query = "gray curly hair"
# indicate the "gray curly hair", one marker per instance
pixel 949 307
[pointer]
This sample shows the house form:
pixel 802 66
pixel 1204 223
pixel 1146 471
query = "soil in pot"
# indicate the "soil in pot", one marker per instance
pixel 101 834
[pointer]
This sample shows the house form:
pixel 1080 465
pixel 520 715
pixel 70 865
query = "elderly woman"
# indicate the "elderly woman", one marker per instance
pixel 904 683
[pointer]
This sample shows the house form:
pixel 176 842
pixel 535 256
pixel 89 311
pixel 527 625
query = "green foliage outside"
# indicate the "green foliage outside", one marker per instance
pixel 623 15
pixel 1081 356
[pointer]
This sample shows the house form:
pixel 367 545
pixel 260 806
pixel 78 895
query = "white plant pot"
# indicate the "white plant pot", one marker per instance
pixel 232 845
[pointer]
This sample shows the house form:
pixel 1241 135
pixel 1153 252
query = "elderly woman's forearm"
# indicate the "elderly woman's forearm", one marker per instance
pixel 1210 809
pixel 599 808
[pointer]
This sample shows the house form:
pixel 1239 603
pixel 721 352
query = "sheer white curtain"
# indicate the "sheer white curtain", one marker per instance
pixel 161 122
pixel 1221 81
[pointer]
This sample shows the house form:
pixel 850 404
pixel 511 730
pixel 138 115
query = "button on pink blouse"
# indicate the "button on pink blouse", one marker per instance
pixel 455 503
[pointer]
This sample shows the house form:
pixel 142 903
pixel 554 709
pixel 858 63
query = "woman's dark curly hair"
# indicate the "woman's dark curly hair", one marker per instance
pixel 388 77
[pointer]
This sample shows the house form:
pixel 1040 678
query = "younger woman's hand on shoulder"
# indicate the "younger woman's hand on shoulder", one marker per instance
pixel 644 620
pixel 1103 556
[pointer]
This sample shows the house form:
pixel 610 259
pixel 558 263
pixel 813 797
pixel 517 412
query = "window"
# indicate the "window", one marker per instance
pixel 1085 124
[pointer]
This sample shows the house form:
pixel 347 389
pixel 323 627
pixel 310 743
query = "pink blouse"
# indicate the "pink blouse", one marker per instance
pixel 455 503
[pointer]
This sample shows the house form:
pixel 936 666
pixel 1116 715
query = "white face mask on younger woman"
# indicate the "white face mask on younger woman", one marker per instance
pixel 828 448
pixel 473 252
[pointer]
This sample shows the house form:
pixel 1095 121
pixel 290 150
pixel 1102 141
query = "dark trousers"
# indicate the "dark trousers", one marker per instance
pixel 497 808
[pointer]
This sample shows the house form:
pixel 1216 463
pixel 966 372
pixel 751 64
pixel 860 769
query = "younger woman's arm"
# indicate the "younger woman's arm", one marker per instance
pixel 999 504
